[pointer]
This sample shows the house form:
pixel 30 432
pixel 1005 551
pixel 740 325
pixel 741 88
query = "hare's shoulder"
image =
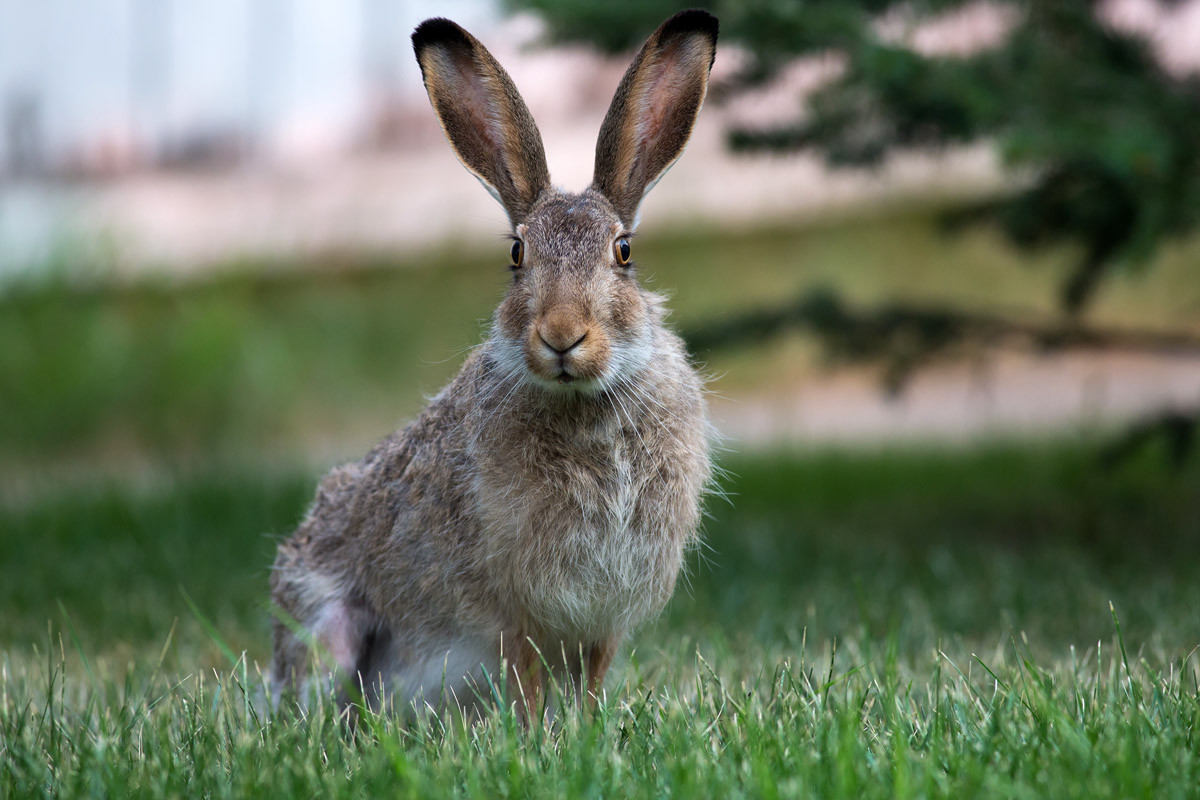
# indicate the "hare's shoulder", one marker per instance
pixel 414 455
pixel 331 502
pixel 348 491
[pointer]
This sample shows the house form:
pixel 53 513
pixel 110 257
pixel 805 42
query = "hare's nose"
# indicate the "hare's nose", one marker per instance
pixel 562 329
pixel 561 344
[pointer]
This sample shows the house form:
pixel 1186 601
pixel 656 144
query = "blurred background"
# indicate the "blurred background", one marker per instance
pixel 231 233
pixel 169 162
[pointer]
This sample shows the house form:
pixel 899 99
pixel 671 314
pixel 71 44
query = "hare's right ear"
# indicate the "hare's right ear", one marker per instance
pixel 485 119
pixel 652 114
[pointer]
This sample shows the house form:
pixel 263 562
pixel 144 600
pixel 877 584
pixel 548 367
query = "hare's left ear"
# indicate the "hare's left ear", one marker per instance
pixel 483 115
pixel 653 112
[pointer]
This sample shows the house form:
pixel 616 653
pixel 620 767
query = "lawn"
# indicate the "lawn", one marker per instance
pixel 896 624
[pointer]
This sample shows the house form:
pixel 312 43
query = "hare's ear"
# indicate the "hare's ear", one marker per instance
pixel 484 117
pixel 654 110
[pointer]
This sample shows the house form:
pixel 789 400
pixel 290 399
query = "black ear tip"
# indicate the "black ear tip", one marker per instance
pixel 437 30
pixel 692 20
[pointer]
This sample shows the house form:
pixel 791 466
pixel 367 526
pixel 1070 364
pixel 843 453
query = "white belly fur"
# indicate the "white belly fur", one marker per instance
pixel 443 674
pixel 601 584
pixel 573 561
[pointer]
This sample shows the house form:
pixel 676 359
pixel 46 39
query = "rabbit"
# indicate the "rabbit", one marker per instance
pixel 540 507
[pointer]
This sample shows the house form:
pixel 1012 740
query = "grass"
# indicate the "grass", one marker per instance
pixel 897 624
pixel 340 349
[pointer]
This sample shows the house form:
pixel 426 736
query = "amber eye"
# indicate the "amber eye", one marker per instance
pixel 621 250
pixel 517 253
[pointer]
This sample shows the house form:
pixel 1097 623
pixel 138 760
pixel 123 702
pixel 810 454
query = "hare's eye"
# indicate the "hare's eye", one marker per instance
pixel 517 253
pixel 621 250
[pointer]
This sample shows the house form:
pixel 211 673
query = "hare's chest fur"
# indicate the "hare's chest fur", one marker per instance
pixel 575 542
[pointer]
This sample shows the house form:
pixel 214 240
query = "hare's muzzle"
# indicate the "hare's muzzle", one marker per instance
pixel 565 348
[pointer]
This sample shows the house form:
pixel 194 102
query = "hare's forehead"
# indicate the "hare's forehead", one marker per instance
pixel 570 226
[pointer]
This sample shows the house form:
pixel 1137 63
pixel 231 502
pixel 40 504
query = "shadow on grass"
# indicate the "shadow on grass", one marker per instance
pixel 976 544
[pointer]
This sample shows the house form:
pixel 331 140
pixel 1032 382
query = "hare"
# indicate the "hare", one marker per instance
pixel 540 507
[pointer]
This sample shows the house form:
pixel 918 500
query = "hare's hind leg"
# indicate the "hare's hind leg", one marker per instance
pixel 526 677
pixel 578 674
pixel 317 624
pixel 588 677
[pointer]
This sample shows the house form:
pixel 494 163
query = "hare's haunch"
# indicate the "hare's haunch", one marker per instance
pixel 541 505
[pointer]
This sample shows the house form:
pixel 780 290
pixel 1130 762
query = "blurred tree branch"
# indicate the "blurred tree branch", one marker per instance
pixel 1177 429
pixel 906 335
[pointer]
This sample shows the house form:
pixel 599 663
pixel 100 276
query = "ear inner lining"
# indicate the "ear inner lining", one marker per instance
pixel 654 110
pixel 666 115
pixel 482 114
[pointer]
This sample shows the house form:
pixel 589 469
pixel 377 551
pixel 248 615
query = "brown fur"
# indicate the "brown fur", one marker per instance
pixel 541 505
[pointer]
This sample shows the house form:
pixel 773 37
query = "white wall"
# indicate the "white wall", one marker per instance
pixel 125 72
